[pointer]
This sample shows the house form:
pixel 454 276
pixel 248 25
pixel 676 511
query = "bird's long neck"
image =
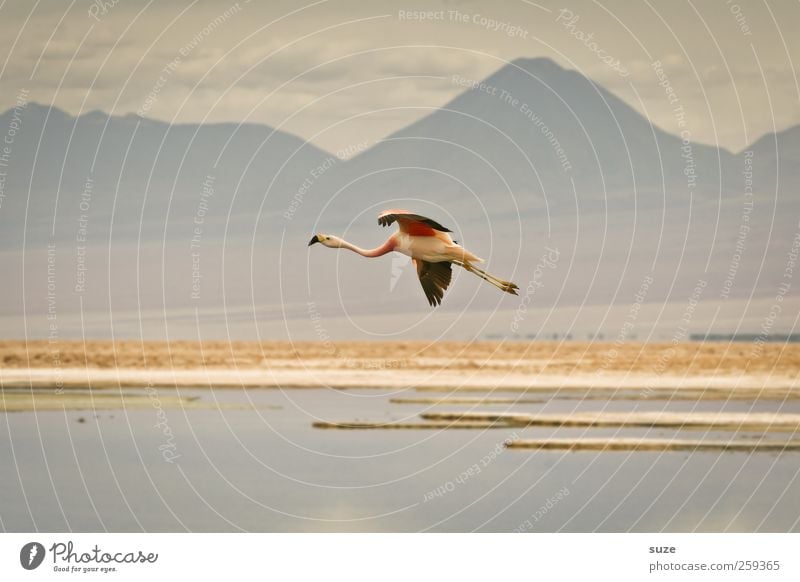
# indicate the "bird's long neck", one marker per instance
pixel 386 247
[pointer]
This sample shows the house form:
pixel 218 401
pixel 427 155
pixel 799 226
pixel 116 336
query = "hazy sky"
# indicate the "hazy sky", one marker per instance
pixel 342 73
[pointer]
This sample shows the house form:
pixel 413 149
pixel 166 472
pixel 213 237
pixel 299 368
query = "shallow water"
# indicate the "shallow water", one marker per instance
pixel 265 469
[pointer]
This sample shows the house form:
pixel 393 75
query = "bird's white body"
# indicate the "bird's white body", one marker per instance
pixel 424 248
pixel 433 249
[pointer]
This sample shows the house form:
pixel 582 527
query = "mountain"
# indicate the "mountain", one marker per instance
pixel 775 159
pixel 204 226
pixel 121 173
pixel 536 135
pixel 531 139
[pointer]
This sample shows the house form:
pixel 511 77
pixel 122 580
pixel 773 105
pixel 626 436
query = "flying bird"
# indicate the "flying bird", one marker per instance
pixel 430 247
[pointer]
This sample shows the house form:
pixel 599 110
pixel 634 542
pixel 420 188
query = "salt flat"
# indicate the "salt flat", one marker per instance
pixel 426 366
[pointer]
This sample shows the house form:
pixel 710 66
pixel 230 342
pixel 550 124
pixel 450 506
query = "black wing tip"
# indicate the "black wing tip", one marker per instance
pixel 435 279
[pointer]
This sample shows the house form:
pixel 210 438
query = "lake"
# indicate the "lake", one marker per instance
pixel 255 463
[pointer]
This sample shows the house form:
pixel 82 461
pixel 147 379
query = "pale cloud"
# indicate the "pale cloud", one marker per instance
pixel 231 71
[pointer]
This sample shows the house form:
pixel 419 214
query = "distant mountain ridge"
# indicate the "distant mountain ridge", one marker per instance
pixel 163 219
pixel 142 172
pixel 541 137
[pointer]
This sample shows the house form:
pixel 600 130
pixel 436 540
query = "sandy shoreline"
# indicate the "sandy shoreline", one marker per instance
pixel 690 357
pixel 444 365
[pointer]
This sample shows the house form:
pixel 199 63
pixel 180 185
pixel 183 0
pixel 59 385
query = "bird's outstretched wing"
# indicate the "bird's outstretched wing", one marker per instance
pixel 434 278
pixel 410 223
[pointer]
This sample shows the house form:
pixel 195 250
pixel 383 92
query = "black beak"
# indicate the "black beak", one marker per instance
pixel 315 239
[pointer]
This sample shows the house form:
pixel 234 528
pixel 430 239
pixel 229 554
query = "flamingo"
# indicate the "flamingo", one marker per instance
pixel 430 247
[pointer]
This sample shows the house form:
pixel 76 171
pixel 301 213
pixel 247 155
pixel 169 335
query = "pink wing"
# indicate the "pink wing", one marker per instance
pixel 411 223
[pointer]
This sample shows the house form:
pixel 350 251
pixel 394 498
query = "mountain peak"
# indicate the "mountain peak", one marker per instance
pixel 538 64
pixel 34 110
pixel 539 67
pixel 32 106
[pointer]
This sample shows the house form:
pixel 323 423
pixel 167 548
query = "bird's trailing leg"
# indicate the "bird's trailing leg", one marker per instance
pixel 506 286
